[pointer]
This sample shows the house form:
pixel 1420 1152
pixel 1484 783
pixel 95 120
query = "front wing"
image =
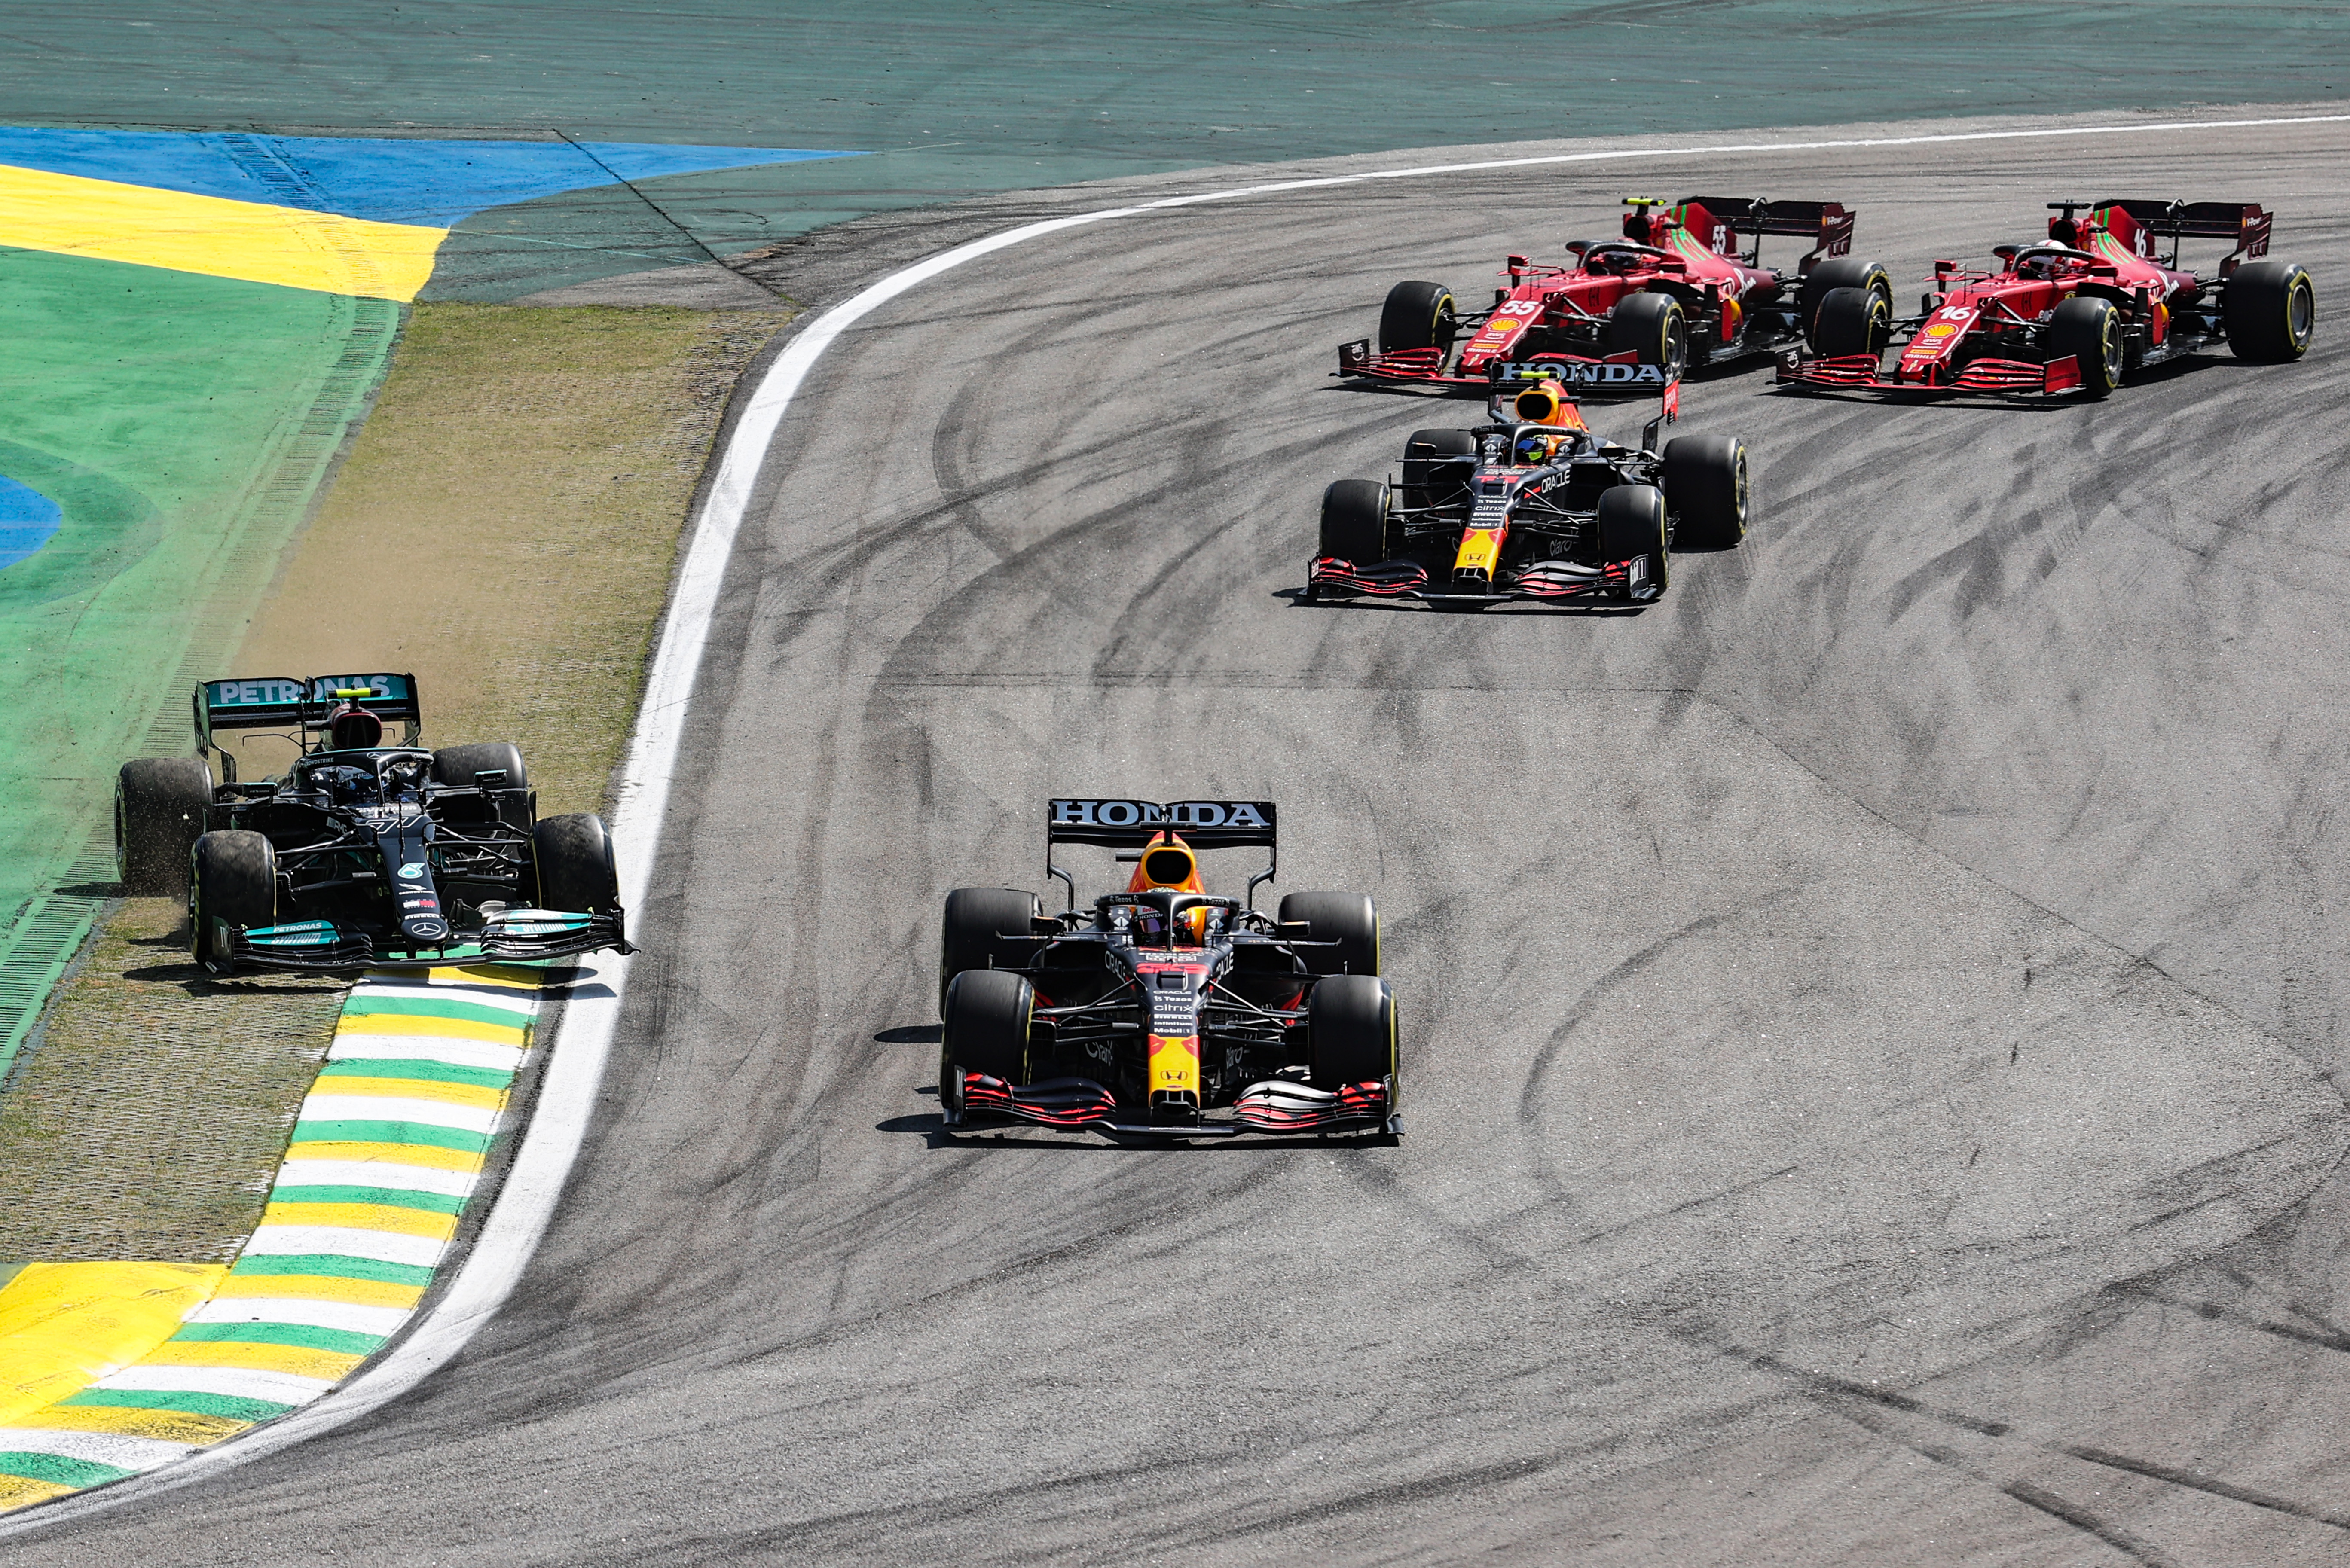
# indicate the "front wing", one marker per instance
pixel 1545 580
pixel 1080 1104
pixel 518 936
pixel 1848 371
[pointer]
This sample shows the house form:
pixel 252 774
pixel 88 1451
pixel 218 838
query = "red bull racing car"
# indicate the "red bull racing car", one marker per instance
pixel 1675 291
pixel 1162 1004
pixel 2102 296
pixel 1532 506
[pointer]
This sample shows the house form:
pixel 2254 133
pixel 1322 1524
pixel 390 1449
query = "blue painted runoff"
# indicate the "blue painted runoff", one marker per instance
pixel 28 519
pixel 390 180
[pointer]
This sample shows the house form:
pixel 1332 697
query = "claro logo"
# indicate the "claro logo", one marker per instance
pixel 1151 814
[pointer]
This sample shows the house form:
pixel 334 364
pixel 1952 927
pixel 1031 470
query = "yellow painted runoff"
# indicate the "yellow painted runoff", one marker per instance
pixel 64 1325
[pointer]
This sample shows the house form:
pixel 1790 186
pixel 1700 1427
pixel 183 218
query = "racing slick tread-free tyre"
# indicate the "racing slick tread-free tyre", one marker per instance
pixel 232 878
pixel 1418 315
pixel 458 764
pixel 1354 521
pixel 1350 919
pixel 2270 309
pixel 2090 331
pixel 1437 465
pixel 1839 272
pixel 573 856
pixel 972 932
pixel 1631 521
pixel 158 810
pixel 1350 1030
pixel 1852 321
pixel 1705 485
pixel 987 1016
pixel 1652 326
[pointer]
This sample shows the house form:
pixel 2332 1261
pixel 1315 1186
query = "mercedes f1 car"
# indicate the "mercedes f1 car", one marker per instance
pixel 1675 291
pixel 363 853
pixel 1532 505
pixel 2102 296
pixel 1162 1003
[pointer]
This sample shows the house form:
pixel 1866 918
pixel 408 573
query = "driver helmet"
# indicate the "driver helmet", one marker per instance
pixel 352 728
pixel 1167 865
pixel 1533 448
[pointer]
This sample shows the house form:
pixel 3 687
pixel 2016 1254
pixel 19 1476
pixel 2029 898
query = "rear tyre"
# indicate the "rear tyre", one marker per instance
pixel 1705 483
pixel 1417 316
pixel 1632 525
pixel 1350 919
pixel 458 764
pixel 2270 309
pixel 2090 331
pixel 1437 465
pixel 1839 272
pixel 232 881
pixel 1654 327
pixel 573 856
pixel 1852 321
pixel 971 936
pixel 987 1015
pixel 1354 521
pixel 158 810
pixel 1350 1030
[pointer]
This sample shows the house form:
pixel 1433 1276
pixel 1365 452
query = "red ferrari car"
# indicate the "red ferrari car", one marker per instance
pixel 1675 291
pixel 2102 296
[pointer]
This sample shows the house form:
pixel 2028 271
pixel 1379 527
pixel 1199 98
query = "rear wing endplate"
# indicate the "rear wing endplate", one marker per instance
pixel 1826 224
pixel 2245 223
pixel 1133 824
pixel 281 703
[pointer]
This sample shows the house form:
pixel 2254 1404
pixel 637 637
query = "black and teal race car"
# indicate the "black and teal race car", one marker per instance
pixel 361 853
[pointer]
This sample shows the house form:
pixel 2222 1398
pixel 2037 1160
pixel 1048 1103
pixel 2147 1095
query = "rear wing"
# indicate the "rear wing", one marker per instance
pixel 2138 224
pixel 285 703
pixel 1133 824
pixel 1827 224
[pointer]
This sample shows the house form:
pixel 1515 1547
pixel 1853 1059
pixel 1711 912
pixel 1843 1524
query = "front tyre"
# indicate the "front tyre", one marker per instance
pixel 1705 483
pixel 1418 315
pixel 1839 272
pixel 1852 321
pixel 231 882
pixel 573 856
pixel 1350 1030
pixel 159 811
pixel 1654 327
pixel 988 1015
pixel 1355 522
pixel 1350 919
pixel 2270 309
pixel 1632 527
pixel 2090 331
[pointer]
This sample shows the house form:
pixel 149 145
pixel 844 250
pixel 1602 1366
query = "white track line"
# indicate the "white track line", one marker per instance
pixel 574 1075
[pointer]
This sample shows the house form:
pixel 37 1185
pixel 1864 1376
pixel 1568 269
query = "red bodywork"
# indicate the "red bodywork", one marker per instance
pixel 1555 320
pixel 1982 331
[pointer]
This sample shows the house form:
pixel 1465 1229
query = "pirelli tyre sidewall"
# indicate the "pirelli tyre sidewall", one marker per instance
pixel 159 811
pixel 987 1018
pixel 572 857
pixel 1351 1031
pixel 1353 526
pixel 1418 315
pixel 2089 330
pixel 1852 321
pixel 1632 525
pixel 2269 310
pixel 231 882
pixel 1705 485
pixel 1655 327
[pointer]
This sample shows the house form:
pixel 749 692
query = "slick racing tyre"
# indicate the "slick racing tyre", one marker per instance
pixel 2270 309
pixel 158 810
pixel 1654 327
pixel 232 881
pixel 1705 485
pixel 1852 321
pixel 459 764
pixel 971 936
pixel 1354 521
pixel 1350 919
pixel 1437 465
pixel 987 1016
pixel 1839 272
pixel 1417 316
pixel 1632 525
pixel 2090 331
pixel 1350 1030
pixel 572 857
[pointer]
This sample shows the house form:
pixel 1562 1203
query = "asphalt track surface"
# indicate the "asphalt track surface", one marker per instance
pixel 1870 1020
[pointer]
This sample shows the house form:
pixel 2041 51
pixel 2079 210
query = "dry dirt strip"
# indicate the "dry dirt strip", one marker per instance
pixel 388 1151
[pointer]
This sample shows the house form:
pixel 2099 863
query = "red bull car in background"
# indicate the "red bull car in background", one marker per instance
pixel 1162 1003
pixel 2102 296
pixel 362 852
pixel 1532 505
pixel 1675 291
